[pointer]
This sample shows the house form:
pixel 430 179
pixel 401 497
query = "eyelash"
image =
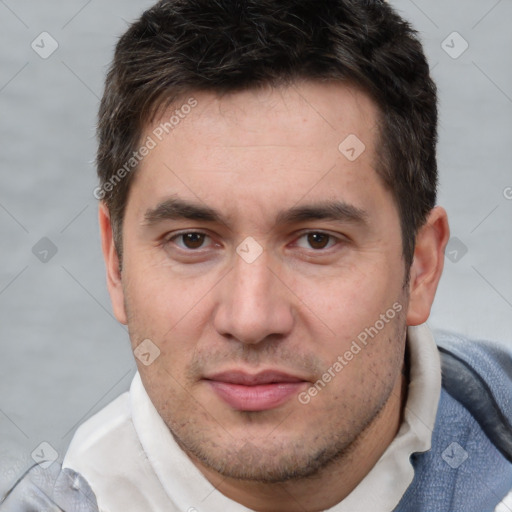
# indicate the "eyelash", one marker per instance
pixel 169 240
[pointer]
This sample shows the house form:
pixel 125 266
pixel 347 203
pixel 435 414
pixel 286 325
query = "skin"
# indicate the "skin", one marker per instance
pixel 296 308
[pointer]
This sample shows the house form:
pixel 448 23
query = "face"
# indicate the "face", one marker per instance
pixel 264 260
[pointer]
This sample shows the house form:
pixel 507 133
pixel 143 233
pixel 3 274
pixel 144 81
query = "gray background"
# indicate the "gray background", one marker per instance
pixel 63 355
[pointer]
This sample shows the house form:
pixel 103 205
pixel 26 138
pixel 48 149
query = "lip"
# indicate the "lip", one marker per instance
pixel 255 392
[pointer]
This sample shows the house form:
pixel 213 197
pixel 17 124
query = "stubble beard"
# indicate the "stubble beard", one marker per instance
pixel 277 459
pixel 273 460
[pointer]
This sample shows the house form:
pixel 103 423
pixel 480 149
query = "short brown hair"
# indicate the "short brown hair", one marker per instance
pixel 181 46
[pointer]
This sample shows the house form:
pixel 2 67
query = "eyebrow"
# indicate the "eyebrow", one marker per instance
pixel 175 208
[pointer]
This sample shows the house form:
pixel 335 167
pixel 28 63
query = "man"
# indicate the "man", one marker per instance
pixel 272 241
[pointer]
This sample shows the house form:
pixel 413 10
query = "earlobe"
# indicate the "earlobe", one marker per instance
pixel 427 265
pixel 114 278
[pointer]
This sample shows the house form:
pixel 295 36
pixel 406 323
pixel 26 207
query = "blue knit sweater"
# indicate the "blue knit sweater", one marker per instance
pixel 469 466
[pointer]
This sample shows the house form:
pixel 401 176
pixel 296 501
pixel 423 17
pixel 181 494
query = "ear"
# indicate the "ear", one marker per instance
pixel 114 278
pixel 427 265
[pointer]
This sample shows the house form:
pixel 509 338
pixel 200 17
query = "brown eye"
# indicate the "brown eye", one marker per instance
pixel 191 240
pixel 318 240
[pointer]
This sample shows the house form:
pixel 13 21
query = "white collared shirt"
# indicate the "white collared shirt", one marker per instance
pixel 133 464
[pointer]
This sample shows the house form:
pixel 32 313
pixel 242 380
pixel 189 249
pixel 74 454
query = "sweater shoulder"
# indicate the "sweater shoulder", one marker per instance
pixel 489 362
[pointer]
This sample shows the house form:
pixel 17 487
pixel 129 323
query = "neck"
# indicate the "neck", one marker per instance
pixel 335 482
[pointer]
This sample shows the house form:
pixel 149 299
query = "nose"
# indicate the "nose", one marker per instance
pixel 254 303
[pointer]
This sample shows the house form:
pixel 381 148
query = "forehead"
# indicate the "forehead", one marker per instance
pixel 262 146
pixel 305 114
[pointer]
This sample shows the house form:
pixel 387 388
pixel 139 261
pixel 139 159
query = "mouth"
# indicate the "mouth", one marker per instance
pixel 255 392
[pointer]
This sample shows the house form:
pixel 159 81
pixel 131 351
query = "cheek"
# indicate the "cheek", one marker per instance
pixel 351 300
pixel 169 312
pixel 161 298
pixel 369 361
pixel 366 326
